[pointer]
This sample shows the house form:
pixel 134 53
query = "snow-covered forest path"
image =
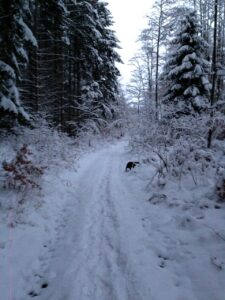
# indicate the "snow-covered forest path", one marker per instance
pixel 112 244
pixel 101 251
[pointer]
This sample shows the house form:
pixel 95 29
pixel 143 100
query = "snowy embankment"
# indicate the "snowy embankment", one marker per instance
pixel 96 236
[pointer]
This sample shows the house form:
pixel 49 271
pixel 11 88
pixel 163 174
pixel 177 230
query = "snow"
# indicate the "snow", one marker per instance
pixel 103 233
pixel 198 70
pixel 28 35
pixel 176 87
pixel 62 5
pixel 7 104
pixel 11 102
pixel 179 69
pixel 24 113
pixel 192 90
pixel 6 68
pixel 22 53
pixel 192 57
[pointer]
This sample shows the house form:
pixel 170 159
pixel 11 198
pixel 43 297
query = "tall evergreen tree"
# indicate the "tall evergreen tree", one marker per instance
pixel 71 76
pixel 107 73
pixel 187 68
pixel 53 43
pixel 14 38
pixel 95 57
pixel 84 38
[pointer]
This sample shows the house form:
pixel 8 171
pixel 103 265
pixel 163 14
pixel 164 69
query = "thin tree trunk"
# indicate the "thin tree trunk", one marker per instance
pixel 214 58
pixel 157 67
pixel 35 60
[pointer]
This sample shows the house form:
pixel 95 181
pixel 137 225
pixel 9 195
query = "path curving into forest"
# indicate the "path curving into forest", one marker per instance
pixel 113 244
pixel 99 253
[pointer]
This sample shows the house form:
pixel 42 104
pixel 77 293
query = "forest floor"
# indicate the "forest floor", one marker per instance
pixel 96 236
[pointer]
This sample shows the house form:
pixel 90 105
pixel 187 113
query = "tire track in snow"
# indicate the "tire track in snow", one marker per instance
pixel 111 278
pixel 72 263
pixel 102 269
pixel 121 197
pixel 91 258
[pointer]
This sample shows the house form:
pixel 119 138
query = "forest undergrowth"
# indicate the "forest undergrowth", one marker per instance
pixel 188 151
pixel 30 156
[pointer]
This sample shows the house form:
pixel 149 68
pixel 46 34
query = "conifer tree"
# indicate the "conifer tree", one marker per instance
pixel 95 57
pixel 107 73
pixel 53 44
pixel 71 76
pixel 186 70
pixel 15 36
pixel 84 36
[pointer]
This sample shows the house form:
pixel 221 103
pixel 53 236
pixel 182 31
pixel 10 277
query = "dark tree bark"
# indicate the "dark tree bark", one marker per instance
pixel 214 54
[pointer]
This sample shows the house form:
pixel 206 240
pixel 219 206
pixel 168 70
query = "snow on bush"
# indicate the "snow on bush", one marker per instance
pixel 187 149
pixel 22 173
pixel 28 158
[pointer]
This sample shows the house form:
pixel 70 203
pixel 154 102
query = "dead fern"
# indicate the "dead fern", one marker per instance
pixel 22 173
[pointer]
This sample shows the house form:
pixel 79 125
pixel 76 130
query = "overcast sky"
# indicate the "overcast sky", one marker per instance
pixel 129 18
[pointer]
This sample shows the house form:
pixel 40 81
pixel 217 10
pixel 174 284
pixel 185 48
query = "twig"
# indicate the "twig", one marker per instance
pixel 153 177
pixel 192 175
pixel 162 159
pixel 216 232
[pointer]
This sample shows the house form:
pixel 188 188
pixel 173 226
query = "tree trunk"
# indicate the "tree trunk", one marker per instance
pixel 214 55
pixel 157 66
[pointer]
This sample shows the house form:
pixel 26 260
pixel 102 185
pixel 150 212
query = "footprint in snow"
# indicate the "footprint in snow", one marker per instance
pixel 163 260
pixel 44 285
pixel 33 294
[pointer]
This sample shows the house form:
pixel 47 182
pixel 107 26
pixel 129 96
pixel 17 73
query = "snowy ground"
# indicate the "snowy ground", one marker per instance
pixel 97 237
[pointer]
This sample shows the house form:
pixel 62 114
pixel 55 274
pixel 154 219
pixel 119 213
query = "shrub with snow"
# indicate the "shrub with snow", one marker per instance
pixel 22 173
pixel 182 153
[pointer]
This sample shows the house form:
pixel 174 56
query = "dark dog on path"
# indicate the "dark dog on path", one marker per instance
pixel 131 164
